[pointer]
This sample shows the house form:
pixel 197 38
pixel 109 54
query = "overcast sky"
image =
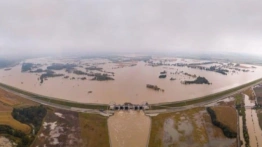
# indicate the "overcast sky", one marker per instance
pixel 28 26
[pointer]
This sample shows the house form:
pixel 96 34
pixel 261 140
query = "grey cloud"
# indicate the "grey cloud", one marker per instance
pixel 130 25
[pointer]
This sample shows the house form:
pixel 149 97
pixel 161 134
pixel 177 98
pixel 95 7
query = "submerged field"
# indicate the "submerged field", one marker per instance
pixel 191 127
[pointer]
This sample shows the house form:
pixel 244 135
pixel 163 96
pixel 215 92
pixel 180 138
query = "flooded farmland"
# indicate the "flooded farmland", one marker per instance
pixel 253 127
pixel 130 80
pixel 129 129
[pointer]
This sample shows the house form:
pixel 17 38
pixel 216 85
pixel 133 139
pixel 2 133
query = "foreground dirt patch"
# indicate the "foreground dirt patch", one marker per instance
pixel 60 128
pixel 7 119
pixel 94 130
pixel 189 128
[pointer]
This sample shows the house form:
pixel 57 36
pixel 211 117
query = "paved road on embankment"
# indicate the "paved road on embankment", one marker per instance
pixel 52 104
pixel 174 109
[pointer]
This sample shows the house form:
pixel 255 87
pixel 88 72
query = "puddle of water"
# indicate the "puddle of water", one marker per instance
pixel 129 129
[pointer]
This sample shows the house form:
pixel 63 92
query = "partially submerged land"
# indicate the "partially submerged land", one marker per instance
pixel 193 126
pixel 209 126
pixel 105 75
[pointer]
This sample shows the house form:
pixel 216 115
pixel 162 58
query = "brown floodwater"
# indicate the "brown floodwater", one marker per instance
pixel 254 130
pixel 129 129
pixel 129 84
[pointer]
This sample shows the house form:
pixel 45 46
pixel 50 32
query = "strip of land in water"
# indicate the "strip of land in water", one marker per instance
pixel 65 104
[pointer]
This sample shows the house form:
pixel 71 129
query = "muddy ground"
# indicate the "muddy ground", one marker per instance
pixel 60 128
pixel 190 128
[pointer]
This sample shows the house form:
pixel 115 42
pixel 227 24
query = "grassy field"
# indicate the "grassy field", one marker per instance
pixel 7 119
pixel 227 116
pixel 238 99
pixel 94 130
pixel 204 98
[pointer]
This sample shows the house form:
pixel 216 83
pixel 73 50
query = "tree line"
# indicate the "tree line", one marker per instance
pixel 227 132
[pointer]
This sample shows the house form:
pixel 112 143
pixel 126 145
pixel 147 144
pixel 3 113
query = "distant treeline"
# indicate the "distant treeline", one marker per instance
pixel 227 132
pixel 6 63
pixel 48 74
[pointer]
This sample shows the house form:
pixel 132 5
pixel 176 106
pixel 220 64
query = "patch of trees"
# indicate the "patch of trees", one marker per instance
pixel 163 72
pixel 83 78
pixel 38 71
pixel 49 73
pixel 172 79
pixel 30 115
pixel 203 63
pixel 154 87
pixel 227 132
pixel 102 77
pixel 218 70
pixel 58 66
pixel 162 76
pixel 242 112
pixel 79 72
pixel 26 140
pixel 199 80
pixel 27 67
pixel 94 68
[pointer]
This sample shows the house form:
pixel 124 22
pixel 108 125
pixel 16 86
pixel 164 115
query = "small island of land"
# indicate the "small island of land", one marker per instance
pixel 199 80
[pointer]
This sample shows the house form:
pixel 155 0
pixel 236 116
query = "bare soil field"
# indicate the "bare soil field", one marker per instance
pixel 189 128
pixel 94 130
pixel 227 116
pixel 5 108
pixel 60 128
pixel 7 119
pixel 11 99
pixel 8 101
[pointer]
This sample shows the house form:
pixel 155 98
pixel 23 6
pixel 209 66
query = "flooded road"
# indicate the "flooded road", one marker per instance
pixel 129 129
pixel 254 130
pixel 129 84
